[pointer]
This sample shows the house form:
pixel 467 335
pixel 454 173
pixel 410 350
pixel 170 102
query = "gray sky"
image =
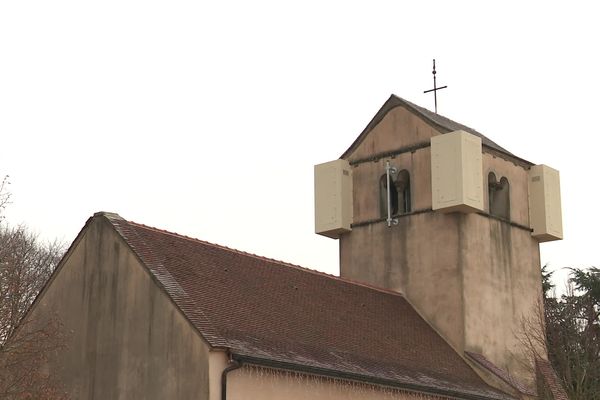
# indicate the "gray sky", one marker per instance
pixel 206 118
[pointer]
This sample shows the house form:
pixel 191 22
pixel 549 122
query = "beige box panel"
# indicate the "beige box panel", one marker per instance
pixel 456 172
pixel 333 198
pixel 545 214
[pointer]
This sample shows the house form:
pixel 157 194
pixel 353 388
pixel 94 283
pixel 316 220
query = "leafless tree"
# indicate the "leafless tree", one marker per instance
pixel 532 336
pixel 22 361
pixel 25 266
pixel 4 195
pixel 26 263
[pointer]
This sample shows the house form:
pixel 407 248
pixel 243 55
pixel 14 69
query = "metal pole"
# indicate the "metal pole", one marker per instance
pixel 389 170
pixel 389 195
pixel 434 87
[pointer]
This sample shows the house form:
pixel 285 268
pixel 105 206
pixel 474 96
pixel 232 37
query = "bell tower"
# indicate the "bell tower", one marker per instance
pixel 441 214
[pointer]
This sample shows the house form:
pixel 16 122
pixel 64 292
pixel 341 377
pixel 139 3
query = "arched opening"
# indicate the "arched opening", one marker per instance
pixel 402 184
pixel 383 200
pixel 400 196
pixel 499 196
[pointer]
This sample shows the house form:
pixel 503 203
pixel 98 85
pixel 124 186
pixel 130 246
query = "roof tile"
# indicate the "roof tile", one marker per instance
pixel 484 362
pixel 550 380
pixel 268 309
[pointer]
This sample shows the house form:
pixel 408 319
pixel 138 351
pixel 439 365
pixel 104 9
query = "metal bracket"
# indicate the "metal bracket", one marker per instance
pixel 389 170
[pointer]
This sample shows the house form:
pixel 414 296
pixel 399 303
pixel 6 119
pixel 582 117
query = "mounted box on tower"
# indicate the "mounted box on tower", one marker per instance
pixel 456 172
pixel 333 198
pixel 545 215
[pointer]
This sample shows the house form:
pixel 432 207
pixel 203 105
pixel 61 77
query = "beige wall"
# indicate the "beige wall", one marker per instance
pixel 218 361
pixel 127 340
pixel 254 383
pixel 366 176
pixel 472 277
pixel 518 179
pixel 398 120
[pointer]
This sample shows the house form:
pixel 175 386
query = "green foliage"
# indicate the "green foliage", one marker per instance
pixel 573 332
pixel 547 284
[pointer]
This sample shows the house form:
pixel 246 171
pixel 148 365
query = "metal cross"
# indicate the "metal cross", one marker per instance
pixel 435 88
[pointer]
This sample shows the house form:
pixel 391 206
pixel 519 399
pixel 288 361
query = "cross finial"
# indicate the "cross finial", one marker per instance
pixel 435 88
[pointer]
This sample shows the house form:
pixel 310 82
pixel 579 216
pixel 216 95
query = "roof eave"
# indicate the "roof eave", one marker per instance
pixel 276 364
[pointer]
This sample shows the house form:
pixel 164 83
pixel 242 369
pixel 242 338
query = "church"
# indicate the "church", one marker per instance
pixel 439 230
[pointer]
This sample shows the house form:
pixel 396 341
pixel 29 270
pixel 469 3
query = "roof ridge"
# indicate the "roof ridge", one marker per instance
pixel 271 260
pixel 437 121
pixel 193 239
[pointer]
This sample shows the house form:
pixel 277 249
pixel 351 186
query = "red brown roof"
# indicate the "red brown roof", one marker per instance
pixel 500 373
pixel 269 310
pixel 549 380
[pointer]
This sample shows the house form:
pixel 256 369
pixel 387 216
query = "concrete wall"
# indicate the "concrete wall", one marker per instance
pixel 398 120
pixel 126 339
pixel 471 276
pixel 253 383
pixel 366 196
pixel 518 179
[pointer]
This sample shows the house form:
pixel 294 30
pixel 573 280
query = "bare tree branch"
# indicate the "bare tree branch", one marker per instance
pixel 4 195
pixel 26 344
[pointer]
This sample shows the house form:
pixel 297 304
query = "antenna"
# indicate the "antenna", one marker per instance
pixel 435 88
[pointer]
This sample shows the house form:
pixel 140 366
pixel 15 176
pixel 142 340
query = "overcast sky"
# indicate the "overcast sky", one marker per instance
pixel 206 118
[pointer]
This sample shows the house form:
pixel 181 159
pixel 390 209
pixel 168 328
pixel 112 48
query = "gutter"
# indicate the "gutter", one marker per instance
pixel 243 359
pixel 233 365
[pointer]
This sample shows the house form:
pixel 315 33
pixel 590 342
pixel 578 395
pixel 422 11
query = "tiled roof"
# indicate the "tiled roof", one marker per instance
pixel 271 310
pixel 442 123
pixel 550 380
pixel 484 362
